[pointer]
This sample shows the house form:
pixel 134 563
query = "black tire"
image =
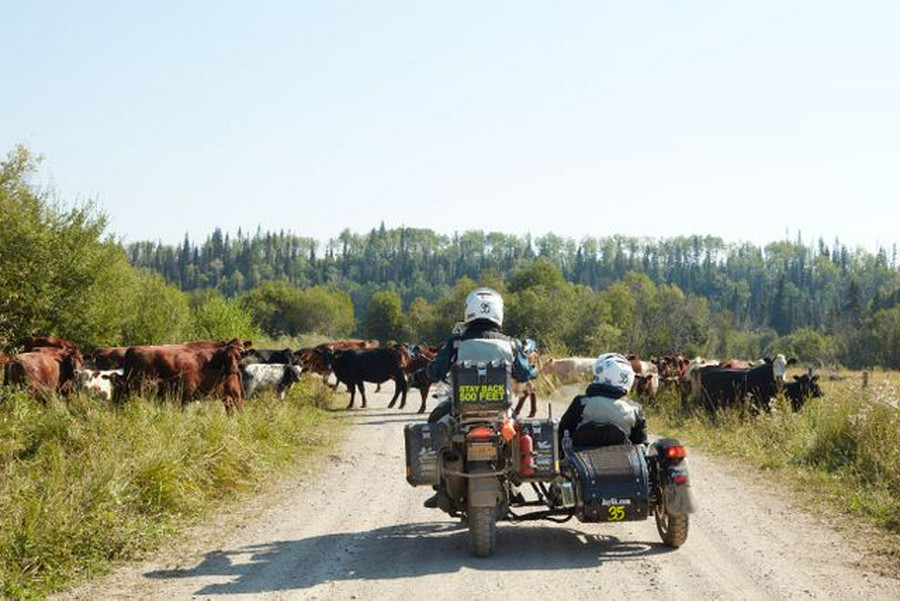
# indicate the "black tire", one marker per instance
pixel 482 531
pixel 672 528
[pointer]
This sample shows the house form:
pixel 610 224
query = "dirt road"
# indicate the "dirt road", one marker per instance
pixel 358 531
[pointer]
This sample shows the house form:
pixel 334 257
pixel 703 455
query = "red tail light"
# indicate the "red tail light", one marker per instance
pixel 680 479
pixel 675 452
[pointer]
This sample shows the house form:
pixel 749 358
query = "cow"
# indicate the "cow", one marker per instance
pixel 722 388
pixel 44 371
pixel 194 369
pixel 569 370
pixel 353 367
pixel 109 358
pixel 419 357
pixel 779 367
pixel 737 364
pixel 270 356
pixel 34 342
pixel 276 376
pixel 317 359
pixel 100 383
pixel 646 376
pixel 690 377
pixel 670 369
pixel 802 388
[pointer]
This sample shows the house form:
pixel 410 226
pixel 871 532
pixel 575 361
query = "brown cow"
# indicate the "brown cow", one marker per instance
pixel 44 371
pixel 420 357
pixel 109 358
pixel 646 376
pixel 194 370
pixel 670 368
pixel 34 342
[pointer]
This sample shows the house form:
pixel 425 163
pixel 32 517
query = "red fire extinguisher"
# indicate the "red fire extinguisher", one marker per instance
pixel 526 452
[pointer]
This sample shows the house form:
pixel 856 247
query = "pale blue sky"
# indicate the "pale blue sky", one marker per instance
pixel 743 120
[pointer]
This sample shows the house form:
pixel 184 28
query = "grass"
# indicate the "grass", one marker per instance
pixel 842 451
pixel 90 484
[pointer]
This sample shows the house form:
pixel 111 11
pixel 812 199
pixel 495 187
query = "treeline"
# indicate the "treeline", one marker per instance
pixel 829 302
pixel 62 274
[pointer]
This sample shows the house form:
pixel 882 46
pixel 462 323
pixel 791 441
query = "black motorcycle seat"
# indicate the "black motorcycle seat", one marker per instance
pixel 604 434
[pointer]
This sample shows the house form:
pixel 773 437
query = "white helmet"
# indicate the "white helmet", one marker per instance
pixel 484 303
pixel 613 369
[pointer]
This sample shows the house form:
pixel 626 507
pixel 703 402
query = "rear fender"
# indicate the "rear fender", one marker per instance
pixel 484 491
pixel 674 480
pixel 679 499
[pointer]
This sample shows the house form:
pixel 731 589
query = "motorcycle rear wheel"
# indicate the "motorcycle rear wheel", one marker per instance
pixel 483 531
pixel 672 528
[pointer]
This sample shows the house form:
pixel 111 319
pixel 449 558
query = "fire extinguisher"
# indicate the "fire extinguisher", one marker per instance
pixel 526 452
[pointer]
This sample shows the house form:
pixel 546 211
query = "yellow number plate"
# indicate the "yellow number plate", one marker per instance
pixel 481 451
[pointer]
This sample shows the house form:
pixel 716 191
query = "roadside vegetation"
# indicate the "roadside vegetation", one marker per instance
pixel 840 452
pixel 90 485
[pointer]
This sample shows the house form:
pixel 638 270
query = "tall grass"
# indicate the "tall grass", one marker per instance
pixel 88 484
pixel 842 450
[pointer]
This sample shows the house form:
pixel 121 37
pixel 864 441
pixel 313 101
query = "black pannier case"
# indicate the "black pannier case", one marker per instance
pixel 423 451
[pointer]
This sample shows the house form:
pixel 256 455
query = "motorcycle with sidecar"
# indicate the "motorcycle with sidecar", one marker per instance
pixel 480 457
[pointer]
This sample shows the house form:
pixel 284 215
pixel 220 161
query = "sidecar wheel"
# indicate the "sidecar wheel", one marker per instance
pixel 483 531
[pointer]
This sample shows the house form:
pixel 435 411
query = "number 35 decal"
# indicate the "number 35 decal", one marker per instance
pixel 616 513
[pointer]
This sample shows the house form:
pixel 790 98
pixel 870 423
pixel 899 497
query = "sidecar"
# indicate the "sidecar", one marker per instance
pixel 624 482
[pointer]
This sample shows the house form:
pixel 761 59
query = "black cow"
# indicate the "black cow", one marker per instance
pixel 270 357
pixel 353 367
pixel 802 388
pixel 720 388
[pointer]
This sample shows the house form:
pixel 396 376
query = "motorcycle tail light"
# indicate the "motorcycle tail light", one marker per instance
pixel 480 432
pixel 675 452
pixel 680 479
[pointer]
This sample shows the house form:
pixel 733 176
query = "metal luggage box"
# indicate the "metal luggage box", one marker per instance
pixel 424 443
pixel 545 436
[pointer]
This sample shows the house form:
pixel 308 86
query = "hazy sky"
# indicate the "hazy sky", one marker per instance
pixel 745 120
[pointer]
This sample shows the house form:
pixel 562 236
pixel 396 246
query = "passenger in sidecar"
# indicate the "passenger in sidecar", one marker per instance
pixel 604 415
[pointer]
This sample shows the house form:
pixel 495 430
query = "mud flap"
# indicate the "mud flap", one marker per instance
pixel 680 499
pixel 484 492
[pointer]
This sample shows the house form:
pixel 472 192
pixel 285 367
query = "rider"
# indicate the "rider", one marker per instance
pixel 480 340
pixel 604 415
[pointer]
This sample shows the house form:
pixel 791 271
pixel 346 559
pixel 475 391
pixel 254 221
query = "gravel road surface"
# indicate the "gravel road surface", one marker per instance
pixel 352 528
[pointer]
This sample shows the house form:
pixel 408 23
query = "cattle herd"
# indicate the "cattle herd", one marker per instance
pixel 711 384
pixel 229 370
pixel 234 370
